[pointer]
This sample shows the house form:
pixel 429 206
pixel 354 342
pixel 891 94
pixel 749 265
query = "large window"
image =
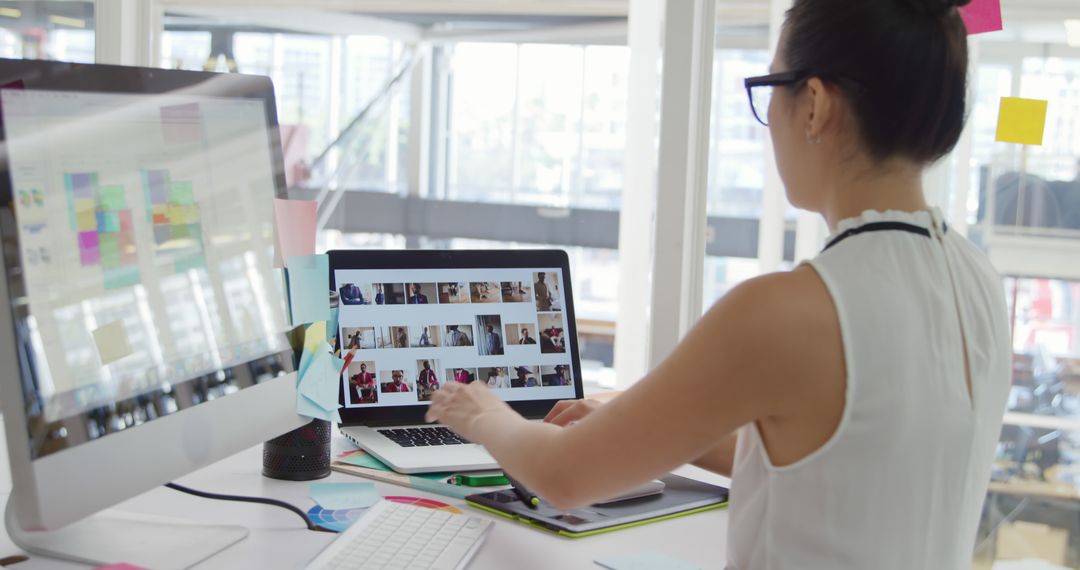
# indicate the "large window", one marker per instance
pixel 737 164
pixel 537 124
pixel 322 83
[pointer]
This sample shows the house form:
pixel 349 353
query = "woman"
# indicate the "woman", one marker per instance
pixel 461 376
pixel 856 400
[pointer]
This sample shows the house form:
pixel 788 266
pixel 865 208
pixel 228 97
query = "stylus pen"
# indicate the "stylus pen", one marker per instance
pixel 526 496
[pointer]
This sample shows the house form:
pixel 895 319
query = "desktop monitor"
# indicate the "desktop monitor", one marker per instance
pixel 142 322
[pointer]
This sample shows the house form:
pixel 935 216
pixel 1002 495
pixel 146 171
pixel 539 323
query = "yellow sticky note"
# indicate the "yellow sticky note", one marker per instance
pixel 314 336
pixel 1022 121
pixel 112 342
pixel 86 221
pixel 84 205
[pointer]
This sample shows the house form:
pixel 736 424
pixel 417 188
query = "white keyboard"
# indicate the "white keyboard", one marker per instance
pixel 395 536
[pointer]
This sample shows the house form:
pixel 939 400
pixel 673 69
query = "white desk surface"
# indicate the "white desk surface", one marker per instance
pixel 277 539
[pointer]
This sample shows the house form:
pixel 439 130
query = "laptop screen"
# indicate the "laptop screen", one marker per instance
pixel 407 332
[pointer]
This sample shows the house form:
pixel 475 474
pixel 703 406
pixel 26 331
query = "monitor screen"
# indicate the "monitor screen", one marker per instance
pixel 406 332
pixel 144 269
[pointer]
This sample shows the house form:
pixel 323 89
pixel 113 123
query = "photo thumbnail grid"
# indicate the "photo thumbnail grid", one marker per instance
pixel 507 333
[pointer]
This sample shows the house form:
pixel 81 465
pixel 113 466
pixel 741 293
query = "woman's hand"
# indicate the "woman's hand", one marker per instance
pixel 567 412
pixel 460 407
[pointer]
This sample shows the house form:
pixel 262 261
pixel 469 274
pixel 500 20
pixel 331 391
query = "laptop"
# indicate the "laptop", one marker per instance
pixel 409 322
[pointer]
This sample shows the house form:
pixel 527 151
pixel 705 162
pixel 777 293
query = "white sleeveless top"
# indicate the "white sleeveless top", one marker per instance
pixel 901 483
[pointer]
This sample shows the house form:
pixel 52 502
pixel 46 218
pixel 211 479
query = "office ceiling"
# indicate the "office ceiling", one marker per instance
pixel 1028 20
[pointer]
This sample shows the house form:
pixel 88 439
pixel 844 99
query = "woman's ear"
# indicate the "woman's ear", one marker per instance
pixel 820 108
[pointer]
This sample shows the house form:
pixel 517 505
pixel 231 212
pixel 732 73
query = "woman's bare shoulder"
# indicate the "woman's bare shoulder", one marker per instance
pixel 787 336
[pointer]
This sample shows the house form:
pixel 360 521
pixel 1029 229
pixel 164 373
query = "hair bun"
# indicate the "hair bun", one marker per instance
pixel 934 8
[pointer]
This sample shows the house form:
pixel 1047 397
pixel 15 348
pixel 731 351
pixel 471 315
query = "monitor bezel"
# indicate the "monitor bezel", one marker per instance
pixel 158 451
pixel 458 259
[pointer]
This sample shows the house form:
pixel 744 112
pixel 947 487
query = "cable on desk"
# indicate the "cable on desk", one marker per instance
pixel 260 500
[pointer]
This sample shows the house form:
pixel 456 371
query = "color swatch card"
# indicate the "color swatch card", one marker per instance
pixel 1022 121
pixel 294 229
pixel 309 288
pixel 982 16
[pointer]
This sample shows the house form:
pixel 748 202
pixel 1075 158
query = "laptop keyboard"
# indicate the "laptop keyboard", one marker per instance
pixel 423 436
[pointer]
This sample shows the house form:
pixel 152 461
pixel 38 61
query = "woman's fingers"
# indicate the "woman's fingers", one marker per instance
pixel 439 401
pixel 574 412
pixel 559 408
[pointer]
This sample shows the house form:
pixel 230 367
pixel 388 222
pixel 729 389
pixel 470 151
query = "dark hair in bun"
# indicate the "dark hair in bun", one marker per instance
pixel 903 64
pixel 934 8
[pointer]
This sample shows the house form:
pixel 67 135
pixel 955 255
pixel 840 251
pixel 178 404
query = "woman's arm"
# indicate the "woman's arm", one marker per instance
pixel 719 460
pixel 736 366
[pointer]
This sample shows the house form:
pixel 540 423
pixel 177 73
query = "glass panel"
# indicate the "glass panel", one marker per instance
pixel 737 144
pixel 604 125
pixel 548 129
pixel 1031 511
pixel 1034 189
pixel 185 50
pixel 1036 479
pixel 62 31
pixel 737 148
pixel 1031 514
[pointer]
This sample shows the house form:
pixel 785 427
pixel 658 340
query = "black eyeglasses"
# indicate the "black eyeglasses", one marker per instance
pixel 760 90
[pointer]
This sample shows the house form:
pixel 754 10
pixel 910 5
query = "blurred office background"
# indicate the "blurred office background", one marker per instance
pixel 517 123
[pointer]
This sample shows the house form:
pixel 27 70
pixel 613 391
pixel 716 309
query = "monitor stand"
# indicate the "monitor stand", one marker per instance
pixel 141 540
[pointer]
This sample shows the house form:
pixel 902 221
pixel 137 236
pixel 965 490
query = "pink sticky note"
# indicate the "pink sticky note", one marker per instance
pixel 120 566
pixel 982 16
pixel 294 229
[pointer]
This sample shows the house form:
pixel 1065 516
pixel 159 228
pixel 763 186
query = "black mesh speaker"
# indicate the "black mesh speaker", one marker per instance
pixel 300 455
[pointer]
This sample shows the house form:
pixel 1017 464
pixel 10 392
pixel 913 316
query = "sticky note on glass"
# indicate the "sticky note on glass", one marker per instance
pixel 645 561
pixel 982 16
pixel 309 288
pixel 112 342
pixel 294 229
pixel 1022 121
pixel 333 496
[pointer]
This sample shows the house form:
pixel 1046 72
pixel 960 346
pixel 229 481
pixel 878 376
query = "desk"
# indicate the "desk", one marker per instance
pixel 278 540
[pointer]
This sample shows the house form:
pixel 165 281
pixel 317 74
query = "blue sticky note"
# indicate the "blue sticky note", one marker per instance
pixel 332 325
pixel 333 496
pixel 645 561
pixel 305 362
pixel 320 381
pixel 307 408
pixel 309 288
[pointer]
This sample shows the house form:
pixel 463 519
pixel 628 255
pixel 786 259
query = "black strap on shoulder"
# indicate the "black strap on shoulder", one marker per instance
pixel 880 227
